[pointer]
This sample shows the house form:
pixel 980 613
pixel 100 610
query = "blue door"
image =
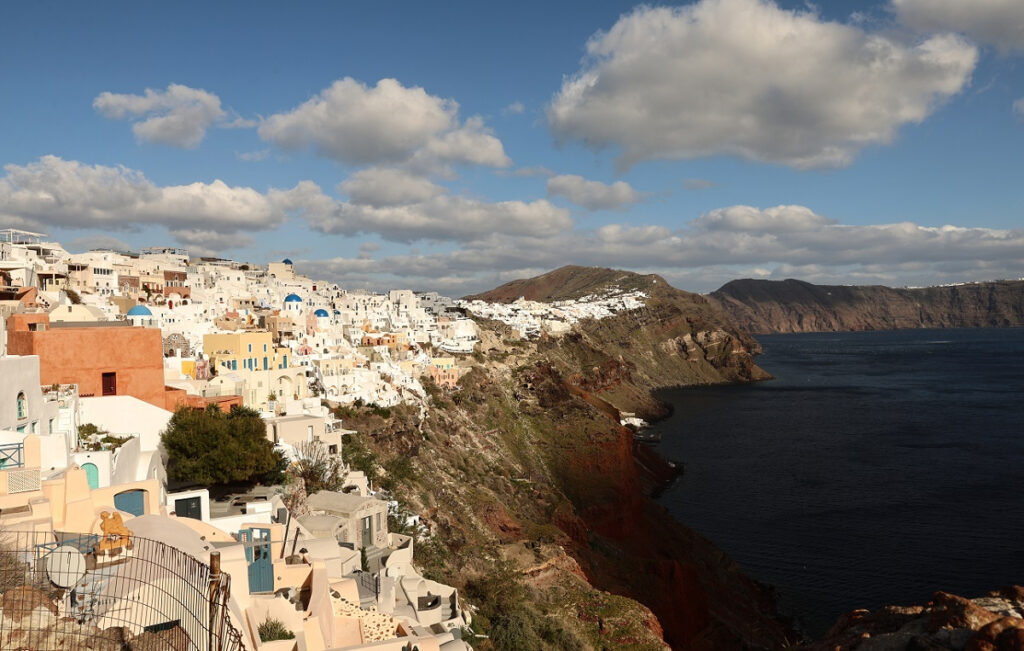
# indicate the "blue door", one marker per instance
pixel 257 554
pixel 92 474
pixel 133 502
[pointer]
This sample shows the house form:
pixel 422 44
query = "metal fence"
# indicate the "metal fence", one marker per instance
pixel 62 591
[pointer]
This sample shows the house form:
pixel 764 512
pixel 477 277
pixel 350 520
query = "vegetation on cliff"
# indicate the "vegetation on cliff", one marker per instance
pixel 770 306
pixel 534 496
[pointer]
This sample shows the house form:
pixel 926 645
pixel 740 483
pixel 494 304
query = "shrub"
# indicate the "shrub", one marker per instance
pixel 273 629
pixel 319 469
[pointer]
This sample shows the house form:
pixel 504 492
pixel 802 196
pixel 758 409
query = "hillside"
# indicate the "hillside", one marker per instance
pixel 540 501
pixel 566 283
pixel 768 306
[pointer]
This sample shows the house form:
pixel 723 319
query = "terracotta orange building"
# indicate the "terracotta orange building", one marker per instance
pixel 103 360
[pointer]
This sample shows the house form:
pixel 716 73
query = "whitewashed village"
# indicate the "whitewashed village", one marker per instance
pixel 104 353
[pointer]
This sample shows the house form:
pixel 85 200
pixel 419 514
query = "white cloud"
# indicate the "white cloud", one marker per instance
pixel 515 108
pixel 1018 107
pixel 439 217
pixel 746 78
pixel 209 243
pixel 593 195
pixel 178 116
pixel 56 192
pixel 993 22
pixel 379 186
pixel 731 242
pixel 387 124
pixel 739 219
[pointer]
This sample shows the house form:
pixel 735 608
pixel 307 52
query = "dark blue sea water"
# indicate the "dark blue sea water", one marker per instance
pixel 875 469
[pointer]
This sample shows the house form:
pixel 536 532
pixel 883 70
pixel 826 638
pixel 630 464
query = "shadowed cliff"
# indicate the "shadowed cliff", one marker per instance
pixel 772 306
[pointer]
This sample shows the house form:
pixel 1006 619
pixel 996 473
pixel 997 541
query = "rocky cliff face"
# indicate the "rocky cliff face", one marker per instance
pixel 949 622
pixel 539 499
pixel 767 306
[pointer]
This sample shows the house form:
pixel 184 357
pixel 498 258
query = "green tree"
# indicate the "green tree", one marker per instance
pixel 211 447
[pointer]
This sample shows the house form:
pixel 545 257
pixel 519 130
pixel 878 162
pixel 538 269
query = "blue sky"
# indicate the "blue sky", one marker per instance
pixel 456 145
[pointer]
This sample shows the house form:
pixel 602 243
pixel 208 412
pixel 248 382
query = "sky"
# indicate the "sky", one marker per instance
pixel 455 146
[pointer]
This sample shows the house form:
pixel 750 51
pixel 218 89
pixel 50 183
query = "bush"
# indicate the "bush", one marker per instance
pixel 400 470
pixel 357 455
pixel 211 447
pixel 273 629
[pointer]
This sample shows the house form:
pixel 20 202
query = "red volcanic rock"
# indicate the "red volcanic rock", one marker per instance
pixel 1004 634
pixel 951 611
pixel 947 622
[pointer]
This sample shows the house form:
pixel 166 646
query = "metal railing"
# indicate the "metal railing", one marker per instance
pixel 12 455
pixel 64 591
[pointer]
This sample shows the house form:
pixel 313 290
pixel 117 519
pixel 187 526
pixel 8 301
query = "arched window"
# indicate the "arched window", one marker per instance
pixel 22 405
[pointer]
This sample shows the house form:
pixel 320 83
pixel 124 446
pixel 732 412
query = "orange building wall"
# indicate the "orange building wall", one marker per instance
pixel 81 356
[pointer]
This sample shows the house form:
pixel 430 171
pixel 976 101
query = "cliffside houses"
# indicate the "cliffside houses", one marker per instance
pixel 531 318
pixel 115 341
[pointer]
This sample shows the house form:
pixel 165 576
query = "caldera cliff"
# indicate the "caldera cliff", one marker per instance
pixel 783 306
pixel 539 500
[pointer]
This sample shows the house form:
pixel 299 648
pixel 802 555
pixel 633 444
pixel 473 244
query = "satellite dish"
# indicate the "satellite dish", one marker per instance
pixel 65 566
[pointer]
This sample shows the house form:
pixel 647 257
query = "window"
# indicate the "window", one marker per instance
pixel 250 348
pixel 379 526
pixel 22 405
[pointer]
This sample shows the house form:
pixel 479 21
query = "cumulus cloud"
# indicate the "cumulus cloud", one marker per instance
pixel 741 219
pixel 388 124
pixel 731 242
pixel 593 195
pixel 994 22
pixel 377 186
pixel 209 243
pixel 178 116
pixel 56 192
pixel 746 78
pixel 440 216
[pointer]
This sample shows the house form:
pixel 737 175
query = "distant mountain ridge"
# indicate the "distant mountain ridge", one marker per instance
pixel 784 306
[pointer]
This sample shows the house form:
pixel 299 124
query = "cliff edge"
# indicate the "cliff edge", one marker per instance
pixel 772 306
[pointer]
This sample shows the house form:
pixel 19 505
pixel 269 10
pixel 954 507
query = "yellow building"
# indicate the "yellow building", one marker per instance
pixel 244 351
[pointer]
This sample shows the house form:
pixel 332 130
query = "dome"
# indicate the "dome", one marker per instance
pixel 140 310
pixel 286 261
pixel 292 298
pixel 337 311
pixel 321 313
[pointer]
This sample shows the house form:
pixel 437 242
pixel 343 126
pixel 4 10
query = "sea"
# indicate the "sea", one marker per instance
pixel 876 468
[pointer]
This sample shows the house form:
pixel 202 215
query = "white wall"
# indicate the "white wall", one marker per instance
pixel 126 415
